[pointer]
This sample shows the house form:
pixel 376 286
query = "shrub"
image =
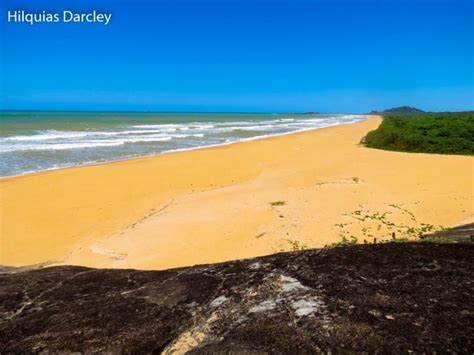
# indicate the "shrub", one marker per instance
pixel 441 133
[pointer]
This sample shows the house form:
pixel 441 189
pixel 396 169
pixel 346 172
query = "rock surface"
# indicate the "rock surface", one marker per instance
pixel 387 298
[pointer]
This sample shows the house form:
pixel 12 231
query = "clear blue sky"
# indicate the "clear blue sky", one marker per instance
pixel 247 55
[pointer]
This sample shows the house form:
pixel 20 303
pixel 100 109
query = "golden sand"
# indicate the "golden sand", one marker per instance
pixel 214 204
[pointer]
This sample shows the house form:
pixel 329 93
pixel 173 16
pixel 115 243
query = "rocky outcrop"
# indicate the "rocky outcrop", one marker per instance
pixel 387 298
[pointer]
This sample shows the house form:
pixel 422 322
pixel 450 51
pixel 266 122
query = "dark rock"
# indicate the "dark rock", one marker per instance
pixel 386 298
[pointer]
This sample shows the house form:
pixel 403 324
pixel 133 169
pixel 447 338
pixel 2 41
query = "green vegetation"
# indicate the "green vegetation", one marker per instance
pixel 438 240
pixel 277 203
pixel 289 245
pixel 442 133
pixel 377 227
pixel 296 245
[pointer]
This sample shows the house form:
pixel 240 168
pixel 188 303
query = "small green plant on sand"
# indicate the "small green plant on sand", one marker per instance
pixel 290 245
pixel 377 227
pixel 356 179
pixel 277 203
pixel 296 245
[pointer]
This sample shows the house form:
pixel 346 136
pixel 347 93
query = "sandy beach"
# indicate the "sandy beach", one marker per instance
pixel 228 202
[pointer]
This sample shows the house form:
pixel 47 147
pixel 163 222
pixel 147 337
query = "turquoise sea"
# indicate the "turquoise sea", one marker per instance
pixel 36 141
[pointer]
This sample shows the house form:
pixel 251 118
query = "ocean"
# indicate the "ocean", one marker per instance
pixel 37 141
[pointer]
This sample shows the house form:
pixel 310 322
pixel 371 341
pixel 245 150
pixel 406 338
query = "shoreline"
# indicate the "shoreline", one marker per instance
pixel 243 140
pixel 214 204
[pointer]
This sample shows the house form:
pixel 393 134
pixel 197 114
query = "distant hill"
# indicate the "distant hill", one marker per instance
pixel 402 110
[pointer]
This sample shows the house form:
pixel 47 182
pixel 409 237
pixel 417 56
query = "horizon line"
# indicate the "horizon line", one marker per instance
pixel 152 111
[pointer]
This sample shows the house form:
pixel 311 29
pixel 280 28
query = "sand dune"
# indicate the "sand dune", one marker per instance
pixel 214 204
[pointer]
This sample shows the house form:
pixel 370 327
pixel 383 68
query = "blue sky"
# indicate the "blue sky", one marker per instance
pixel 229 55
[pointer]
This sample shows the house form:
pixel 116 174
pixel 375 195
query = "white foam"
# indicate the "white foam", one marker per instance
pixel 61 146
pixel 164 125
pixel 58 135
pixel 47 135
pixel 81 145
